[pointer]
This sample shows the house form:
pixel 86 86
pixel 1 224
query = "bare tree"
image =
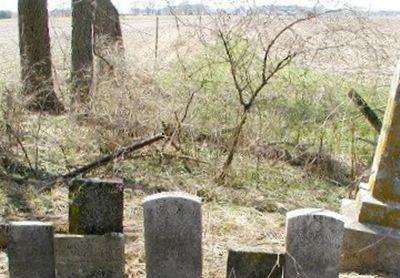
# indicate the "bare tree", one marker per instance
pixel 34 43
pixel 108 45
pixel 81 47
pixel 251 72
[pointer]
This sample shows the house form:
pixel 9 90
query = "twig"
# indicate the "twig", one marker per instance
pixel 171 155
pixel 9 128
pixel 373 143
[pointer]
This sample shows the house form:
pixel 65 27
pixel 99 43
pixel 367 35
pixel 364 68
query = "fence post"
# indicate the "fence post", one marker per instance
pixel 31 250
pixel 173 234
pixel 157 35
pixel 313 243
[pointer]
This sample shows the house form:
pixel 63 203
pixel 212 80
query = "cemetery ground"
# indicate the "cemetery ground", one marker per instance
pixel 306 145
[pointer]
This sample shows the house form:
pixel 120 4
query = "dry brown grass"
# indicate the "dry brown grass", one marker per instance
pixel 249 209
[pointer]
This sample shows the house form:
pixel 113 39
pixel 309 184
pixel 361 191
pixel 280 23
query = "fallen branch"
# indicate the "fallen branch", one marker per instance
pixel 373 143
pixel 172 156
pixel 366 110
pixel 108 158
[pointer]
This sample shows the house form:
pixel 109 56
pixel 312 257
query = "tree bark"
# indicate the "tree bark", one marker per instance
pixel 108 45
pixel 34 43
pixel 81 50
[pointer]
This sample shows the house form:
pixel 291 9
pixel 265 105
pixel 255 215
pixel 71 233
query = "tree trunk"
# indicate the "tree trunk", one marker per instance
pixel 81 50
pixel 108 45
pixel 34 43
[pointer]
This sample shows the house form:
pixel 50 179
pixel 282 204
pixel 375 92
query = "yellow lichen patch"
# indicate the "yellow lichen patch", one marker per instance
pixel 74 219
pixel 256 259
pixel 383 215
pixel 385 190
pixel 386 166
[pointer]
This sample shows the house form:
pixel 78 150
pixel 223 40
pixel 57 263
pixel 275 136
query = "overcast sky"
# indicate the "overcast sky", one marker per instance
pixel 125 5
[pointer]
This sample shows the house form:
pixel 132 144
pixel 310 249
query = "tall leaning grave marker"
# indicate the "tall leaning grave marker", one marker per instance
pixel 372 236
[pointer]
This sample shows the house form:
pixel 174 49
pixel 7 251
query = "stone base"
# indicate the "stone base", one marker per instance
pixel 368 248
pixel 83 256
pixel 376 212
pixel 247 262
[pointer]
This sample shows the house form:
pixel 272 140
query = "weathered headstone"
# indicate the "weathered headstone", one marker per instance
pixel 374 218
pixel 31 250
pixel 173 235
pixel 255 262
pixel 313 243
pixel 94 256
pixel 34 44
pixel 96 206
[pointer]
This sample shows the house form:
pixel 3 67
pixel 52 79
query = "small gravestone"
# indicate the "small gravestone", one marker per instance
pixel 94 256
pixel 313 243
pixel 31 250
pixel 255 262
pixel 96 206
pixel 173 234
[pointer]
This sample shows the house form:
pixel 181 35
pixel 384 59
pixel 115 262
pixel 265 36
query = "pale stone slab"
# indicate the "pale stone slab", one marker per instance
pixel 96 206
pixel 173 235
pixel 368 248
pixel 94 256
pixel 253 262
pixel 30 250
pixel 313 243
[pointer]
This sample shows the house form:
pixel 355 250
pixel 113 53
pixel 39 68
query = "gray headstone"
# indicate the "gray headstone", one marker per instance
pixel 255 262
pixel 313 243
pixel 94 256
pixel 31 250
pixel 173 232
pixel 96 207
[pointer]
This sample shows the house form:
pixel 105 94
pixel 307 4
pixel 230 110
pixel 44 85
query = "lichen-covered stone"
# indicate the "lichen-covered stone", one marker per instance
pixel 96 207
pixel 371 210
pixel 372 234
pixel 384 181
pixel 368 248
pixel 94 256
pixel 248 262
